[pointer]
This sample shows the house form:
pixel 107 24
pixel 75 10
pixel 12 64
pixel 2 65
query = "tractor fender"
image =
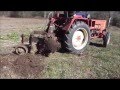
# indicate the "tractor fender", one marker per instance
pixel 71 22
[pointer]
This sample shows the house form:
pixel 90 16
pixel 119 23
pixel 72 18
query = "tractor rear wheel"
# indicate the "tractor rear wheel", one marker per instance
pixel 77 38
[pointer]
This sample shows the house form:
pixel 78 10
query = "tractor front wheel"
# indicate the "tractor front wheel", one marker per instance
pixel 106 39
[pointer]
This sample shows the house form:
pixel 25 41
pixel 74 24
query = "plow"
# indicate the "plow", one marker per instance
pixel 69 31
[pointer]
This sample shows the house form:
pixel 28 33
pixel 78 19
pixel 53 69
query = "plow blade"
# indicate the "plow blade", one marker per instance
pixel 38 43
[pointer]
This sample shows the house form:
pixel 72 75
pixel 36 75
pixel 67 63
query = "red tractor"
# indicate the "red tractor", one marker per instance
pixel 69 31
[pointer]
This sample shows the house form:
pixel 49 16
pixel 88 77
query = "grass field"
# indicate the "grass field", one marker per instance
pixel 96 62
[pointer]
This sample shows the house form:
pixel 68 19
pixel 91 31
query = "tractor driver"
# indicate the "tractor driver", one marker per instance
pixel 71 13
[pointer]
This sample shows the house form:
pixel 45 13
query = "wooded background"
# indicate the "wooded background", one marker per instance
pixel 43 14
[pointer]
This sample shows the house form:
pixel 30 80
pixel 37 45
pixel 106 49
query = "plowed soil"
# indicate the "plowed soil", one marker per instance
pixel 24 66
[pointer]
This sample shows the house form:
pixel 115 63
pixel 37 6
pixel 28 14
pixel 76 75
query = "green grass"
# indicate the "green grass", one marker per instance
pixel 11 36
pixel 14 36
pixel 97 62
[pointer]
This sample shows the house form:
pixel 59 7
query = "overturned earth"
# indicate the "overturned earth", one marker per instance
pixel 23 66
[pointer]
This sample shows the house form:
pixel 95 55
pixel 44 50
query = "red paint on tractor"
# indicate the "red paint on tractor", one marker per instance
pixel 78 38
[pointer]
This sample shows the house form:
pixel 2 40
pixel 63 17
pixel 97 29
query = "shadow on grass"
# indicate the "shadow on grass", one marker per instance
pixel 96 44
pixel 61 50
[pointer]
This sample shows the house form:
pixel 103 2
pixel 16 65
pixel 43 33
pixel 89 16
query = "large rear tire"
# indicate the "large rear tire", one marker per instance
pixel 77 38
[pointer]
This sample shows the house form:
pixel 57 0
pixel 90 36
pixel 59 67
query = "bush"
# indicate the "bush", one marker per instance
pixel 100 14
pixel 24 14
pixel 116 20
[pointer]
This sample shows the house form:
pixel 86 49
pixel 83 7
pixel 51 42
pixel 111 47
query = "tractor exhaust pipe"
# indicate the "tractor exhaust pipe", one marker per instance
pixel 109 21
